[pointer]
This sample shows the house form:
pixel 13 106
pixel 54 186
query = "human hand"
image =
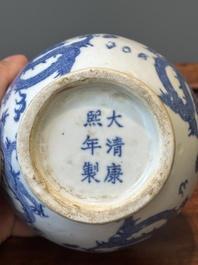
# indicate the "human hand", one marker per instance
pixel 10 224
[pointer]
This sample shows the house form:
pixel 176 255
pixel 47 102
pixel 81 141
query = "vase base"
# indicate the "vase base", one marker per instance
pixel 96 145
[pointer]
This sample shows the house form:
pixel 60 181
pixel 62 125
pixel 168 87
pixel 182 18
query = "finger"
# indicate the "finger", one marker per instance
pixel 9 68
pixel 10 224
pixel 6 218
pixel 20 228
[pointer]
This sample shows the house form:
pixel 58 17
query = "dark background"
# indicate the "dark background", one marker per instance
pixel 168 26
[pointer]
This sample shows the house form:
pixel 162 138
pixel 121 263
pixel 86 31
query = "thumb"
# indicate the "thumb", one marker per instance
pixel 9 68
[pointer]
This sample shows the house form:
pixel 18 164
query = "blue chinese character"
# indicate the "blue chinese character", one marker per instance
pixel 90 171
pixel 93 118
pixel 115 145
pixel 113 119
pixel 113 173
pixel 91 144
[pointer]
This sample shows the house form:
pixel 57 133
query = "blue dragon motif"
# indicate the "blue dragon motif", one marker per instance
pixel 126 235
pixel 29 205
pixel 64 55
pixel 187 110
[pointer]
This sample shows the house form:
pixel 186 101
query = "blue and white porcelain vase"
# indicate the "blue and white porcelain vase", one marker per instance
pixel 99 138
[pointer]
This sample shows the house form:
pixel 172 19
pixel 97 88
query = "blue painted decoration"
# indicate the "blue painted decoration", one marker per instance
pixel 114 119
pixel 126 235
pixel 93 118
pixel 90 144
pixel 115 146
pixel 185 107
pixel 126 49
pixel 111 44
pixel 142 56
pixel 90 171
pixel 114 173
pixel 29 205
pixel 183 187
pixel 65 58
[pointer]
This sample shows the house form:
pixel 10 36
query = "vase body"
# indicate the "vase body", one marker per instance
pixel 99 138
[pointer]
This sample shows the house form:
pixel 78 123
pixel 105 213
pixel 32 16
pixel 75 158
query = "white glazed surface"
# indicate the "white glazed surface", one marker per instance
pixel 131 58
pixel 95 169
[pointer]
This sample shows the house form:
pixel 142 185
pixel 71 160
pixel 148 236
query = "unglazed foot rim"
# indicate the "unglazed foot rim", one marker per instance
pixel 58 112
